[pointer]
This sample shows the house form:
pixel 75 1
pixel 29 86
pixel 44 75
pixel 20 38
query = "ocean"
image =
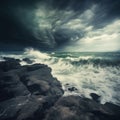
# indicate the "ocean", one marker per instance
pixel 80 73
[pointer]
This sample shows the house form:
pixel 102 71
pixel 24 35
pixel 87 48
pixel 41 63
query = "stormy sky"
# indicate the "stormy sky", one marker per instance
pixel 64 25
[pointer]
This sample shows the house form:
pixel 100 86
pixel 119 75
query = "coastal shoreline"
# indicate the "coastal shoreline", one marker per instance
pixel 30 92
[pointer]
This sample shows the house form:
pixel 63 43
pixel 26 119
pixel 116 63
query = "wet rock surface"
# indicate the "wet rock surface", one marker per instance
pixel 77 108
pixel 71 89
pixel 95 97
pixel 27 60
pixel 26 92
pixel 31 93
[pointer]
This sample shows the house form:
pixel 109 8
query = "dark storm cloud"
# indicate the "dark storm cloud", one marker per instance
pixel 12 31
pixel 107 12
pixel 46 23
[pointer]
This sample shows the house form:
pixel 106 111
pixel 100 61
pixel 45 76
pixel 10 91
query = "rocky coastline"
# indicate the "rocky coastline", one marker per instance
pixel 30 92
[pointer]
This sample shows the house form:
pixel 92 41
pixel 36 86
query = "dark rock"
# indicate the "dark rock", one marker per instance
pixel 67 84
pixel 31 93
pixel 26 92
pixel 10 59
pixel 27 60
pixel 114 108
pixel 35 67
pixel 71 89
pixel 77 108
pixel 21 108
pixel 9 64
pixel 95 97
pixel 11 86
pixel 39 80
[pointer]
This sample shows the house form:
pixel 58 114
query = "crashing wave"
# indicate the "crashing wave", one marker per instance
pixel 81 73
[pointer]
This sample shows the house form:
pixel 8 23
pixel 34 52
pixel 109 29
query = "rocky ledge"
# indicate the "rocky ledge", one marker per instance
pixel 31 93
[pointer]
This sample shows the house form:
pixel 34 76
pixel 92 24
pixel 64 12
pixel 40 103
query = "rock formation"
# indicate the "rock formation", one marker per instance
pixel 30 92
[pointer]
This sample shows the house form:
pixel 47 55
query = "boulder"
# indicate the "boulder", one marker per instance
pixel 9 64
pixel 30 92
pixel 95 97
pixel 77 108
pixel 26 92
pixel 72 89
pixel 27 60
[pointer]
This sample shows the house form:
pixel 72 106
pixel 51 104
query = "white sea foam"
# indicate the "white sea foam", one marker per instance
pixel 86 78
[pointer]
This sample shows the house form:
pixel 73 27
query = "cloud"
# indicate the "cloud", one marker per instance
pixel 81 21
pixel 104 39
pixel 73 25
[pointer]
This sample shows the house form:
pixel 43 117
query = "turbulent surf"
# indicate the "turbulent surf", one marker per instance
pixel 80 73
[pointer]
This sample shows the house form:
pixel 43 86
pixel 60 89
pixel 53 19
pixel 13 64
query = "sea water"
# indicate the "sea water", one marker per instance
pixel 86 72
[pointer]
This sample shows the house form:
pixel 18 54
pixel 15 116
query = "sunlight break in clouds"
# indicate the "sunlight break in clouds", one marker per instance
pixel 83 35
pixel 104 39
pixel 81 21
pixel 53 27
